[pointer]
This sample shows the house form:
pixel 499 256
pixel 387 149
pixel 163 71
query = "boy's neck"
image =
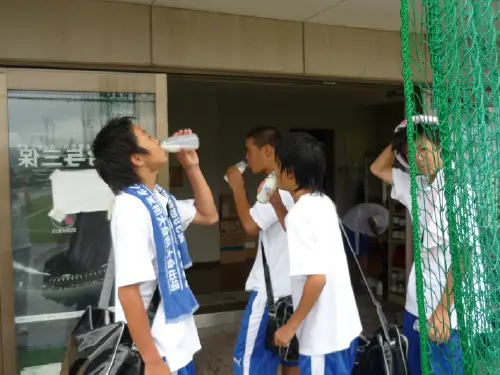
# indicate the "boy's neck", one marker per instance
pixel 149 179
pixel 432 176
pixel 296 195
pixel 269 169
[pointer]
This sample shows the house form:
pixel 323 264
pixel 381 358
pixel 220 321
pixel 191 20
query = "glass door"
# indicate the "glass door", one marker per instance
pixel 53 263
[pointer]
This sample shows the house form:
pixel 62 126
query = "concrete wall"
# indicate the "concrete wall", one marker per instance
pixel 91 33
pixel 223 115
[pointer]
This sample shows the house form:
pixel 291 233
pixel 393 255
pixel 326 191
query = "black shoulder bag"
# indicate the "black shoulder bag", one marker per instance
pixel 98 347
pixel 279 314
pixel 387 352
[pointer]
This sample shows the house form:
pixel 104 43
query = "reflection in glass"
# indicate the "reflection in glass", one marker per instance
pixel 59 265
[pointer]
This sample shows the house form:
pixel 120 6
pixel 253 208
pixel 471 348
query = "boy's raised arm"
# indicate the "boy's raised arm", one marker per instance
pixel 382 166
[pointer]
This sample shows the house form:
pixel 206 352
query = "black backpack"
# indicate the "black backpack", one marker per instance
pixel 387 352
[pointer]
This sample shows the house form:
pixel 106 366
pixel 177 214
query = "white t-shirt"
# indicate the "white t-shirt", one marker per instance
pixel 135 258
pixel 316 248
pixel 436 252
pixel 275 245
pixel 356 219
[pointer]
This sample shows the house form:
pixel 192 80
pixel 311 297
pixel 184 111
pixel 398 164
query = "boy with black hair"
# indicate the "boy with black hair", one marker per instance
pixel 251 356
pixel 326 319
pixel 147 229
pixel 445 356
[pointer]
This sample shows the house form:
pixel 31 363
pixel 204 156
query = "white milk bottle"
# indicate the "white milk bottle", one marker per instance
pixel 181 142
pixel 241 167
pixel 269 186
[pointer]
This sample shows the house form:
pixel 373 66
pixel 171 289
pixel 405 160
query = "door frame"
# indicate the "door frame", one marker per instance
pixel 55 80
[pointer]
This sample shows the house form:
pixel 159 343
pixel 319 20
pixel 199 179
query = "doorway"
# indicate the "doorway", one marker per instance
pixel 52 266
pixel 350 119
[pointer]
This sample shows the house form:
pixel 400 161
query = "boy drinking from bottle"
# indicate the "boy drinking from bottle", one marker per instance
pixel 251 357
pixel 147 228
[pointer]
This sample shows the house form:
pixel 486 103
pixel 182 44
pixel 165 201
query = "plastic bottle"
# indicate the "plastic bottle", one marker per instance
pixel 268 188
pixel 181 142
pixel 241 167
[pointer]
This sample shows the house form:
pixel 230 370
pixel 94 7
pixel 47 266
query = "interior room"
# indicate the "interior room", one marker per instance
pixel 355 121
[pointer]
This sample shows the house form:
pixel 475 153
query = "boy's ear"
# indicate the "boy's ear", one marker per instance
pixel 269 151
pixel 136 160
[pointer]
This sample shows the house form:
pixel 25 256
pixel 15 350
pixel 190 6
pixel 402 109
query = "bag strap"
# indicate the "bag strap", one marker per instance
pixel 107 289
pixel 108 282
pixel 269 286
pixel 153 305
pixel 380 311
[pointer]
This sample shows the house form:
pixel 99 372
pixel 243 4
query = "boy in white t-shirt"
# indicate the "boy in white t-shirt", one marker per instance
pixel 149 245
pixel 326 319
pixel 445 354
pixel 250 354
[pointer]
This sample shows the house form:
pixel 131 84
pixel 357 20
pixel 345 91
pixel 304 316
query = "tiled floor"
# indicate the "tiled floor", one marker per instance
pixel 216 357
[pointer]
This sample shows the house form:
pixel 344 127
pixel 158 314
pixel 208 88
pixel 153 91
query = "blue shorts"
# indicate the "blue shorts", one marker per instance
pixel 250 354
pixel 444 358
pixel 336 363
pixel 363 244
pixel 189 369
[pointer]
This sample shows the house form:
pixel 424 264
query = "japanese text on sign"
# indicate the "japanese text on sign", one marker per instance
pixel 52 157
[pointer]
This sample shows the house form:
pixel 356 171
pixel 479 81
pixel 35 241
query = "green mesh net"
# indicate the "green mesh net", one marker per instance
pixel 450 69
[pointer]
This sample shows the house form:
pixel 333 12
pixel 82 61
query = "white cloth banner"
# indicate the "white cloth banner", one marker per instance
pixel 79 191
